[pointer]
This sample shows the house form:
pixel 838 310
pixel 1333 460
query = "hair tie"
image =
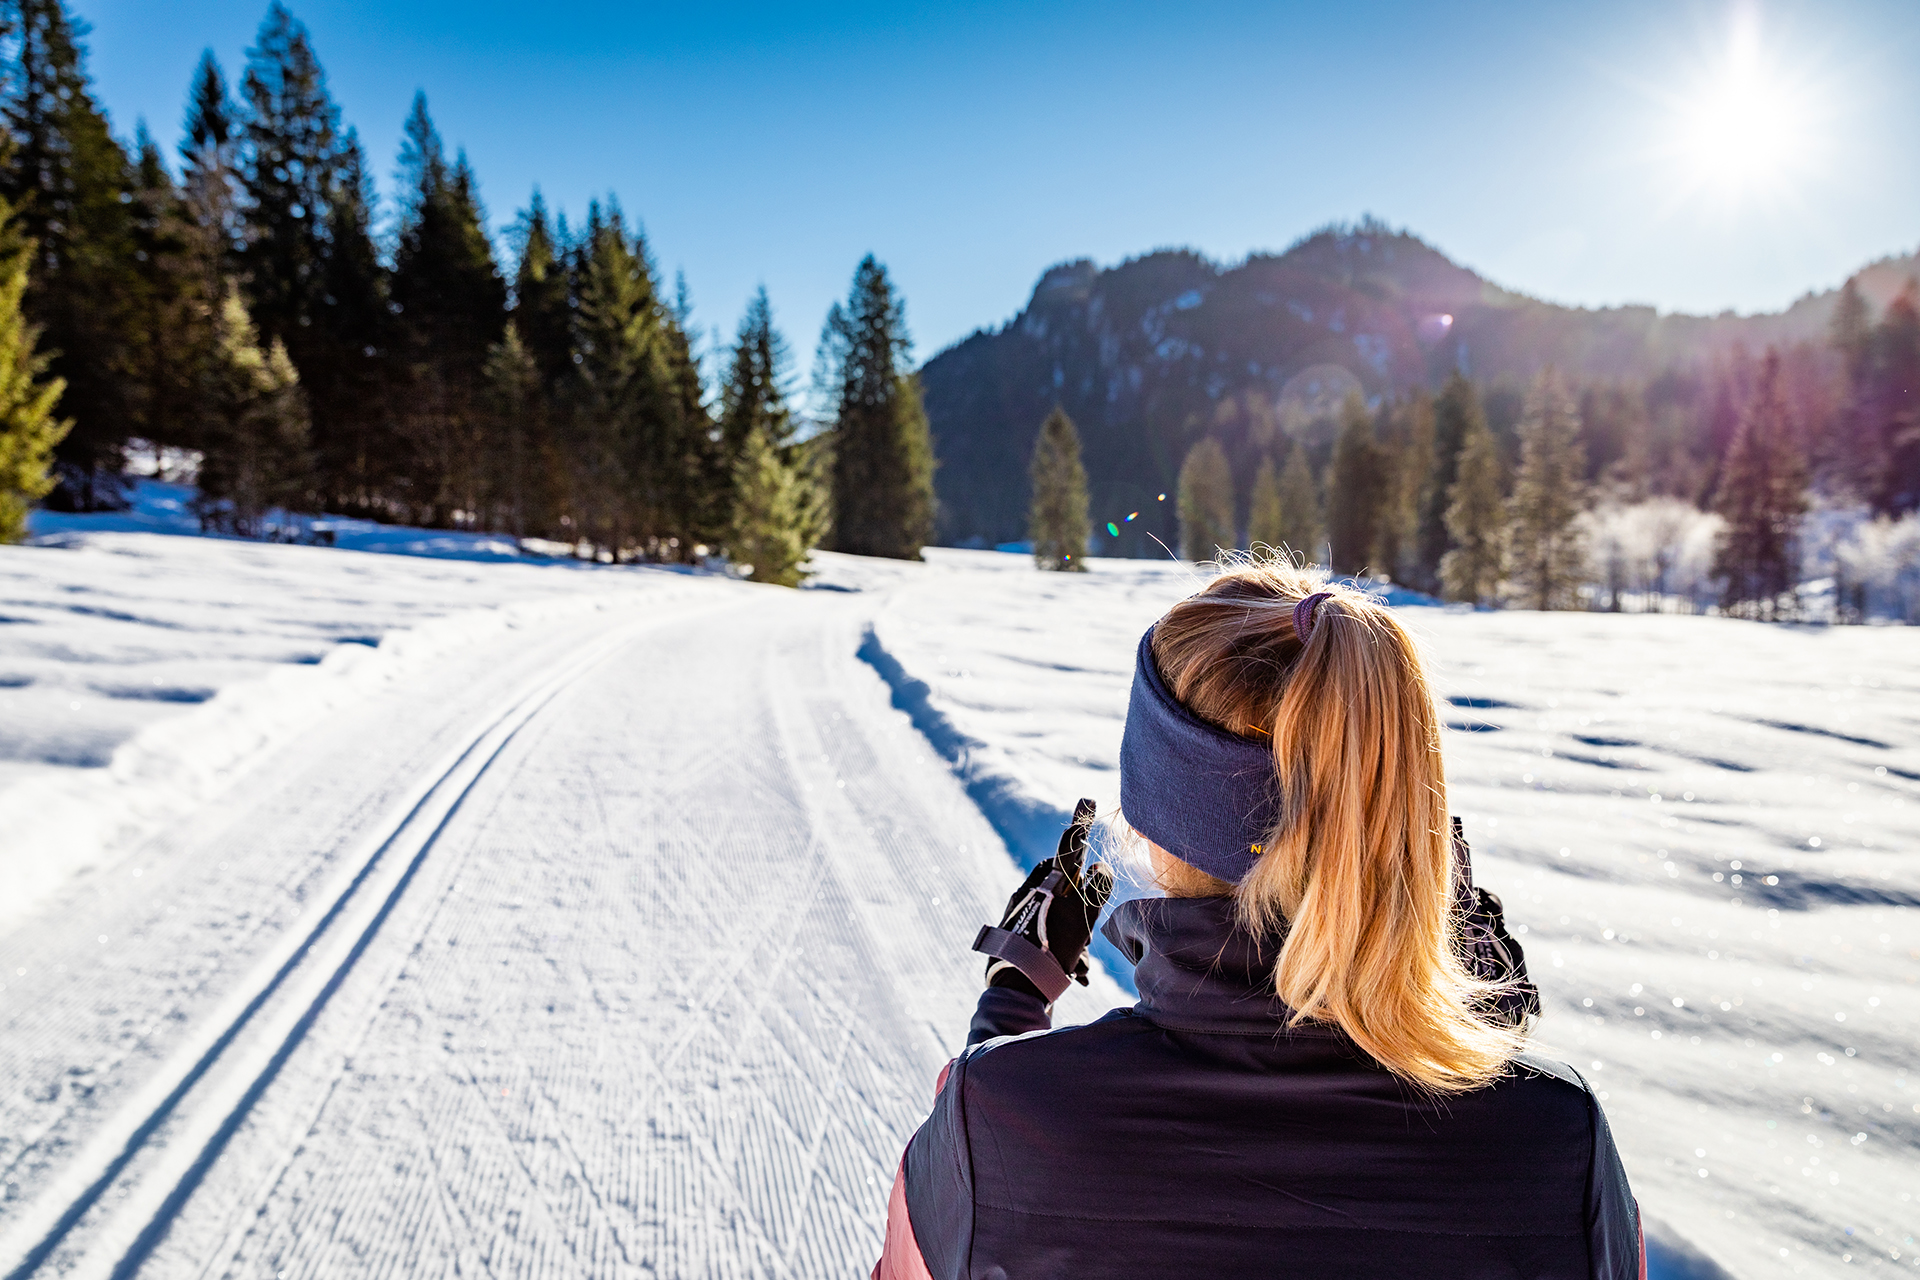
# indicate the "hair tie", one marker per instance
pixel 1303 614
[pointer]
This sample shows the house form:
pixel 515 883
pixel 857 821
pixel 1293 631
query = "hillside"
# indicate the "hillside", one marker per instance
pixel 1146 354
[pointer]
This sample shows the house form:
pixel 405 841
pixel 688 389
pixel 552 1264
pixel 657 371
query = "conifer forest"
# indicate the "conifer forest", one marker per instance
pixel 241 301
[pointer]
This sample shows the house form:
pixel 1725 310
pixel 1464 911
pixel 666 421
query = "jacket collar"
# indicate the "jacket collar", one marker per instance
pixel 1196 969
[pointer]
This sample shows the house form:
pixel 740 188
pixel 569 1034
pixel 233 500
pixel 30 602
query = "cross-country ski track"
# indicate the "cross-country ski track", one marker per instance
pixel 622 945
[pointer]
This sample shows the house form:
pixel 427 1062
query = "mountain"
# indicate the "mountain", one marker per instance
pixel 1148 355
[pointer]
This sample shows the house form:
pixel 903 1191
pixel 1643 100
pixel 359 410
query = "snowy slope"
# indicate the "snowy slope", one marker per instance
pixel 1706 829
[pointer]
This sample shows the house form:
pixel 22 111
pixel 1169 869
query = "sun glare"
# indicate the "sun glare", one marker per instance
pixel 1745 129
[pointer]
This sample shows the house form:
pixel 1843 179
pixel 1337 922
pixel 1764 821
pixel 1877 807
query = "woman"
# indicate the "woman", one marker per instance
pixel 1325 1074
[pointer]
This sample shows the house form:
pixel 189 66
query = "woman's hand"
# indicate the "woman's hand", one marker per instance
pixel 1041 941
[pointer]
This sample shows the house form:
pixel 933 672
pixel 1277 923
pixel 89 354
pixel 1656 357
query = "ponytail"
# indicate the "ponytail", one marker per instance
pixel 1358 870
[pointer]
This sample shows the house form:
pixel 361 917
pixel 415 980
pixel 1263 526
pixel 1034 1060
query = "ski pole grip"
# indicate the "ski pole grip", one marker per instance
pixel 1040 967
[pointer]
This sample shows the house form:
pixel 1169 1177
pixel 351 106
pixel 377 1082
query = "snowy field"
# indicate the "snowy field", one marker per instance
pixel 375 913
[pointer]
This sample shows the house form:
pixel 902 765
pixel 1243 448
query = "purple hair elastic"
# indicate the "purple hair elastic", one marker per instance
pixel 1303 614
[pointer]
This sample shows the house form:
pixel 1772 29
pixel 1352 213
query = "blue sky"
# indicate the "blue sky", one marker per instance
pixel 1694 156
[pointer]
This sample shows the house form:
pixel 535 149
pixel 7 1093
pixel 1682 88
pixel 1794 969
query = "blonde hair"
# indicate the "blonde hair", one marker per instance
pixel 1359 869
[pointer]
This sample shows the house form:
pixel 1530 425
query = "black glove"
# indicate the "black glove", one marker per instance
pixel 1041 942
pixel 1490 952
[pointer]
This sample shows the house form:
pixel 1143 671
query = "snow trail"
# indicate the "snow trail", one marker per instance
pixel 663 992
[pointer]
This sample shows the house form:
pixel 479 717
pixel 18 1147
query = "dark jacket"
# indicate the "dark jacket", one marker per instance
pixel 1194 1135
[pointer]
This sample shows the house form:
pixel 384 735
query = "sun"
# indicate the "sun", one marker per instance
pixel 1745 128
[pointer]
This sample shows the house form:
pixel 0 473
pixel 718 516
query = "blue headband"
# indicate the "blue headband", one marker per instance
pixel 1206 796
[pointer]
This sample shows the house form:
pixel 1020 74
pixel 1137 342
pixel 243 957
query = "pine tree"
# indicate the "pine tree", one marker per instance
pixel 777 501
pixel 210 179
pixel 1456 415
pixel 71 186
pixel 639 430
pixel 358 458
pixel 452 310
pixel 751 394
pixel 1894 402
pixel 514 443
pixel 1762 498
pixel 169 311
pixel 1300 520
pixel 1549 492
pixel 700 495
pixel 883 500
pixel 1205 502
pixel 28 430
pixel 1057 520
pixel 1358 490
pixel 255 428
pixel 621 372
pixel 1405 442
pixel 540 291
pixel 1473 570
pixel 1864 453
pixel 1266 516
pixel 779 510
pixel 288 176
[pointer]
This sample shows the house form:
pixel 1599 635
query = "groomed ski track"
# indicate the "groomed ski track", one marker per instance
pixel 630 946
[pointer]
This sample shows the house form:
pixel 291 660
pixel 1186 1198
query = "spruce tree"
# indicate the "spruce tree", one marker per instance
pixel 1206 502
pixel 540 292
pixel 641 434
pixel 71 186
pixel 1549 492
pixel 1266 516
pixel 1057 519
pixel 451 302
pixel 513 452
pixel 28 430
pixel 1409 447
pixel 621 378
pixel 542 320
pixel 1300 520
pixel 169 311
pixel 779 510
pixel 357 457
pixel 1865 457
pixel 1474 568
pixel 209 153
pixel 883 502
pixel 701 496
pixel 1762 498
pixel 1456 415
pixel 255 427
pixel 1357 490
pixel 287 174
pixel 777 502
pixel 1894 402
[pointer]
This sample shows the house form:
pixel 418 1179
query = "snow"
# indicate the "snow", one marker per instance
pixel 141 674
pixel 447 910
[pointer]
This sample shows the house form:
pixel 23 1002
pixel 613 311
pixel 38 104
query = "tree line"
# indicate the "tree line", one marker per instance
pixel 1421 489
pixel 247 301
